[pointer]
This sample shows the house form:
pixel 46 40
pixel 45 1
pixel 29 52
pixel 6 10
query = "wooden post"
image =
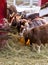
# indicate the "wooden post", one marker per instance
pixel 31 3
pixel 14 2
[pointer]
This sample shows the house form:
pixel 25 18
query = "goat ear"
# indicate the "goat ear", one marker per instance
pixel 32 30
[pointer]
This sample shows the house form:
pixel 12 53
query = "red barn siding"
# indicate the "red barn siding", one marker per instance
pixel 43 2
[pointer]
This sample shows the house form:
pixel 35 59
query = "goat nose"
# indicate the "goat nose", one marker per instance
pixel 21 34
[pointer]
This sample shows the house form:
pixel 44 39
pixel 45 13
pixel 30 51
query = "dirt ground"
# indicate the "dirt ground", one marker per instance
pixel 16 54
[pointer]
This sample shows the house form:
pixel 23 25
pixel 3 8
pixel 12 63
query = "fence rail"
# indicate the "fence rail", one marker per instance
pixel 9 3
